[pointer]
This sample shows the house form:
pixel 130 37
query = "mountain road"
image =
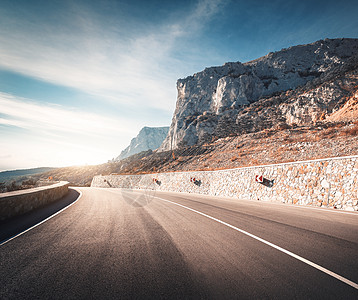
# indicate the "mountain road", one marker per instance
pixel 129 244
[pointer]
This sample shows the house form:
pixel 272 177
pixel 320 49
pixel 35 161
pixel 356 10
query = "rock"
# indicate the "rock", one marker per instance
pixel 325 184
pixel 148 138
pixel 246 97
pixel 348 208
pixel 338 194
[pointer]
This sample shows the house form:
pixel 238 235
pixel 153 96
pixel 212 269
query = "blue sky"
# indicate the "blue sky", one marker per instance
pixel 79 79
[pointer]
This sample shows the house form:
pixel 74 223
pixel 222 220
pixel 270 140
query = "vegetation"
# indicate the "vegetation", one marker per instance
pixel 268 146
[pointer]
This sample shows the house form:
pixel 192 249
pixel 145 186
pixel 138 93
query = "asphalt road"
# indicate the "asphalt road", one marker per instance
pixel 121 244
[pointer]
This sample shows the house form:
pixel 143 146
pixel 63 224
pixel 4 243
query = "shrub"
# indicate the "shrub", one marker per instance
pixel 353 131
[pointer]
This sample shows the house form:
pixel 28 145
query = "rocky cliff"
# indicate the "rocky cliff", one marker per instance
pixel 148 138
pixel 298 85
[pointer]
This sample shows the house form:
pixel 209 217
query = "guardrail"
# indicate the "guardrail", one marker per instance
pixel 19 202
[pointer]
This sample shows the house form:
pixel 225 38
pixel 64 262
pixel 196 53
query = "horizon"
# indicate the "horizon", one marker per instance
pixel 79 80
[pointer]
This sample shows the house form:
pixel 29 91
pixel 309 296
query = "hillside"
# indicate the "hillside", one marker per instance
pixel 307 109
pixel 224 100
pixel 148 138
pixel 20 179
pixel 7 176
pixel 265 147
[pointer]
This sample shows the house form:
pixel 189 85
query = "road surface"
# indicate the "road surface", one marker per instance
pixel 123 244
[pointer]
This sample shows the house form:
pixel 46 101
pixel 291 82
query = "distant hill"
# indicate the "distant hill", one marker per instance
pixel 148 138
pixel 12 175
pixel 297 104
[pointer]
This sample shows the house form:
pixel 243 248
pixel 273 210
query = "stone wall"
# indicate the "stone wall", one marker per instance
pixel 327 182
pixel 19 202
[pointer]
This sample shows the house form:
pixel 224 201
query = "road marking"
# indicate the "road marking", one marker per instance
pixel 306 261
pixel 254 202
pixel 43 221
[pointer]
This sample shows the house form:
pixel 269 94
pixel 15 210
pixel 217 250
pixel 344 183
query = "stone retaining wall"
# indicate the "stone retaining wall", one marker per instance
pixel 19 202
pixel 327 182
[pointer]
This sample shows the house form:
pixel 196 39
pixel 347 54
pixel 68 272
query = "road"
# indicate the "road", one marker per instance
pixel 123 244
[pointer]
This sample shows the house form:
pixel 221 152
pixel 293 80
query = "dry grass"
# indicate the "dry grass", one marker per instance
pixel 266 147
pixel 352 131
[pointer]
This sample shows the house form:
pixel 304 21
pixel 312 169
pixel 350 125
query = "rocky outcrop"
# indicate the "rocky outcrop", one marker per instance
pixel 304 106
pixel 348 112
pixel 220 100
pixel 149 138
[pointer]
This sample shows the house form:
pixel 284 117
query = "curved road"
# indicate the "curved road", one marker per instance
pixel 122 244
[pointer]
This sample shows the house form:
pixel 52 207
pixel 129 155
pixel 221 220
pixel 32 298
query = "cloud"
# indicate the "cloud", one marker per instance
pixel 38 134
pixel 203 12
pixel 56 120
pixel 103 57
pixel 132 68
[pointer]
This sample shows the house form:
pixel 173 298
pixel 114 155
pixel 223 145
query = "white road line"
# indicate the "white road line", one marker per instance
pixel 237 200
pixel 306 261
pixel 254 202
pixel 43 221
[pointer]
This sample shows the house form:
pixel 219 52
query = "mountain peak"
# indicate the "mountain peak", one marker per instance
pixel 219 93
pixel 148 138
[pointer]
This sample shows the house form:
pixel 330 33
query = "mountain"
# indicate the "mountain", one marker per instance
pixel 297 104
pixel 348 111
pixel 299 85
pixel 148 138
pixel 10 175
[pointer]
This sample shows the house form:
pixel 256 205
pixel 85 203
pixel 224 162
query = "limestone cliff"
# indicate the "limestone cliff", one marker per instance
pixel 220 100
pixel 148 138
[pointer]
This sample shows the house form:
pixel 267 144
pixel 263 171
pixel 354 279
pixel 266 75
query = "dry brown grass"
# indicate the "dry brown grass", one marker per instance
pixel 288 139
pixel 268 147
pixel 329 133
pixel 352 131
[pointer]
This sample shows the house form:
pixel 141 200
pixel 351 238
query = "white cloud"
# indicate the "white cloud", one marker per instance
pixel 89 55
pixel 51 135
pixel 101 57
pixel 30 115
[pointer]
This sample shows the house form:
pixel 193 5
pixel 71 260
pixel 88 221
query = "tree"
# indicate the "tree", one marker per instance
pixel 12 186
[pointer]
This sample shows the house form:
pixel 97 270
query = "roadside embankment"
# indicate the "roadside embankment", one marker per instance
pixel 20 202
pixel 329 182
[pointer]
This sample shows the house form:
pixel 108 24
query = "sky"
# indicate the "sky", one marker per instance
pixel 79 79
